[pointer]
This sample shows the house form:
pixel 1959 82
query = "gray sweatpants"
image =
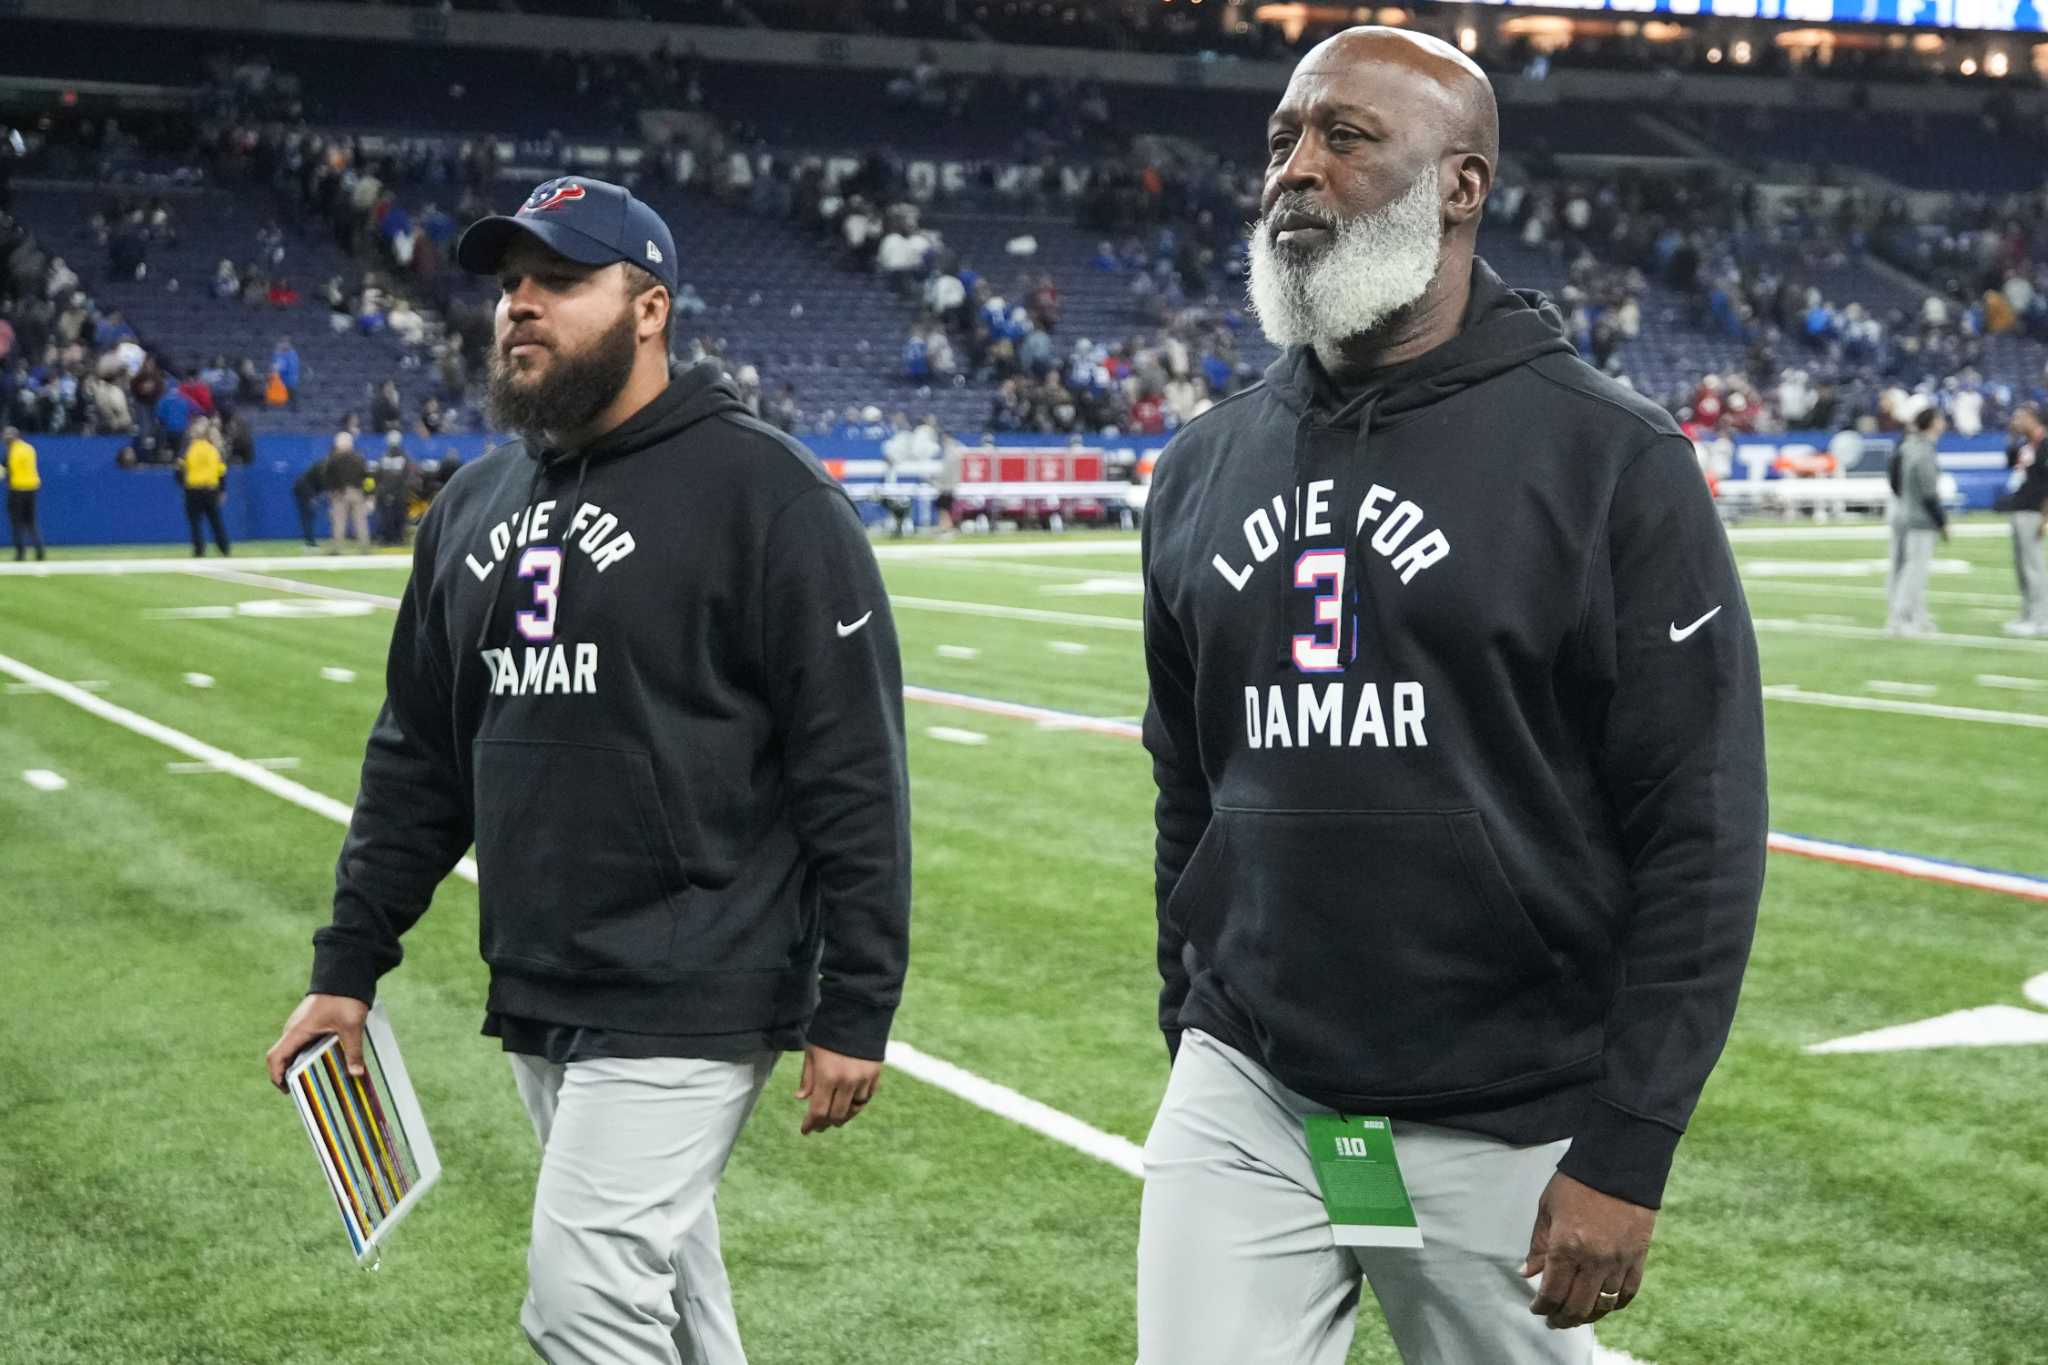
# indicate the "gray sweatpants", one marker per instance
pixel 2028 564
pixel 1911 570
pixel 1236 1264
pixel 625 1267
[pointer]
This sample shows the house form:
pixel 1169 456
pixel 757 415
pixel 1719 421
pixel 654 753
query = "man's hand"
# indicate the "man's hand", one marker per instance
pixel 837 1086
pixel 315 1018
pixel 1585 1244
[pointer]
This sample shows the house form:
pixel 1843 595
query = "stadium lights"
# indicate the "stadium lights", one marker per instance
pixel 1997 64
pixel 1468 40
pixel 1742 53
pixel 1969 66
pixel 1714 55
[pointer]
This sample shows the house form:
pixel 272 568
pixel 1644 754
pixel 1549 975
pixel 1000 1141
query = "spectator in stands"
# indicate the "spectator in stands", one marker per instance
pixel 227 284
pixel 386 408
pixel 783 411
pixel 433 418
pixel 236 438
pixel 284 363
pixel 2025 501
pixel 406 324
pixel 173 414
pixel 340 316
pixel 1917 521
pixel 249 383
pixel 24 486
pixel 348 506
pixel 203 474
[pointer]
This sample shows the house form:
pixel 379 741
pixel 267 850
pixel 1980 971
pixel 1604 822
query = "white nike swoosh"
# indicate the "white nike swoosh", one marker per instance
pixel 846 630
pixel 1677 634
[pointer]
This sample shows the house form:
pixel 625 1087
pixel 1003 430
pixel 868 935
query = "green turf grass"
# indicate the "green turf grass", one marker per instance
pixel 161 1204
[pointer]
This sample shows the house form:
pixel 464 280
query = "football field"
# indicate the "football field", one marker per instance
pixel 176 749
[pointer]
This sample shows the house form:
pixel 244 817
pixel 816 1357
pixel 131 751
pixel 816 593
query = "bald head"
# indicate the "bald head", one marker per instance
pixel 1463 107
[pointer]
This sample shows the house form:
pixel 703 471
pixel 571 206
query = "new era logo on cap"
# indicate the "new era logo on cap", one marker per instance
pixel 654 253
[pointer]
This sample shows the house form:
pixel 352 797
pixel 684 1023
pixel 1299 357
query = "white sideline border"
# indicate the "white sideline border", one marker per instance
pixel 989 1096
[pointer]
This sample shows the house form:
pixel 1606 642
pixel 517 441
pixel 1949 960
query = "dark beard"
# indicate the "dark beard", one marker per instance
pixel 573 391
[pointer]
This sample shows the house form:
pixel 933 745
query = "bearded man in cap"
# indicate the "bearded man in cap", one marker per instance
pixel 646 664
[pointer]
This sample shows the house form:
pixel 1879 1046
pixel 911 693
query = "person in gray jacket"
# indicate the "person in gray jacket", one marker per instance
pixel 1917 521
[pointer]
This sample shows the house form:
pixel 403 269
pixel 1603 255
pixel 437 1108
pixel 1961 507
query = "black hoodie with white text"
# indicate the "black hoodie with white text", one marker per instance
pixel 1458 733
pixel 656 681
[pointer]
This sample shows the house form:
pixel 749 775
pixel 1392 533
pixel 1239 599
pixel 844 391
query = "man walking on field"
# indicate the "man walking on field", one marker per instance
pixel 1458 735
pixel 646 663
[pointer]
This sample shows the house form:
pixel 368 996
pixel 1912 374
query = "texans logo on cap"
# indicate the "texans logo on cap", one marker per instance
pixel 552 195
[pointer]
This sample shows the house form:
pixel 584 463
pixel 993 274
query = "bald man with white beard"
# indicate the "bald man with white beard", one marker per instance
pixel 1458 735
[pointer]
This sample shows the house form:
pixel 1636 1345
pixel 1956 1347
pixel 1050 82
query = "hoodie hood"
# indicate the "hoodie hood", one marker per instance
pixel 1502 328
pixel 691 396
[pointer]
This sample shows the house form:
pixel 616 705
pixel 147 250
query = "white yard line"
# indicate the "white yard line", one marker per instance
pixel 951 734
pixel 1000 1100
pixel 1755 586
pixel 1056 618
pixel 29 689
pixel 1744 535
pixel 292 585
pixel 1844 632
pixel 1045 716
pixel 1900 689
pixel 275 765
pixel 1038 570
pixel 115 568
pixel 43 780
pixel 983 548
pixel 1933 710
pixel 2012 684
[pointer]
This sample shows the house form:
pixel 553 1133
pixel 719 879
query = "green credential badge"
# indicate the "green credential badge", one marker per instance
pixel 1361 1181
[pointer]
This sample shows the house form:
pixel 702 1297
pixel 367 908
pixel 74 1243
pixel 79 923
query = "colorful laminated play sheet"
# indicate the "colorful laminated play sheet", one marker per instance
pixel 367 1132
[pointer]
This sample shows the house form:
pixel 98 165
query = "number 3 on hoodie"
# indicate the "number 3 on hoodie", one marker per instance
pixel 1324 571
pixel 543 564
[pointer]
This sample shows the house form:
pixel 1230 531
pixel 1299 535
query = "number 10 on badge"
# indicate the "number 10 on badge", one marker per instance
pixel 1360 1178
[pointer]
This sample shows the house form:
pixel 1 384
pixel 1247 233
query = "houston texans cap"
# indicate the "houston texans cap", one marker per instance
pixel 590 221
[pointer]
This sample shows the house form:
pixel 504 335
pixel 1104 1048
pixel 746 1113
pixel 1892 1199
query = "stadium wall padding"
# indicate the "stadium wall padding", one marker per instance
pixel 88 500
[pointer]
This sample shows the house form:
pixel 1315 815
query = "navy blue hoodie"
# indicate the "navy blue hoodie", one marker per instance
pixel 656 681
pixel 1458 734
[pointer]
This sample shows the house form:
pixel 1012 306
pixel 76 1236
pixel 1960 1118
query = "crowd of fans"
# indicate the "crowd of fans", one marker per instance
pixel 1171 220
pixel 1745 271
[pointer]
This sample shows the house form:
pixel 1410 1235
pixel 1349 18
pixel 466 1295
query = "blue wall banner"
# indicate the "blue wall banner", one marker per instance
pixel 88 500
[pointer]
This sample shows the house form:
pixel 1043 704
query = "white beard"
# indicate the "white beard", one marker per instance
pixel 1369 269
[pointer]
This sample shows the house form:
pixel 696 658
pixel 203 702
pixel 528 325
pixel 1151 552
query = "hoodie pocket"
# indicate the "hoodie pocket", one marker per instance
pixel 576 867
pixel 1380 952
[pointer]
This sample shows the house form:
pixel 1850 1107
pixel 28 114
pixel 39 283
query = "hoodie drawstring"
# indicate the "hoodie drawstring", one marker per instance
pixel 541 466
pixel 1283 582
pixel 1351 602
pixel 1354 595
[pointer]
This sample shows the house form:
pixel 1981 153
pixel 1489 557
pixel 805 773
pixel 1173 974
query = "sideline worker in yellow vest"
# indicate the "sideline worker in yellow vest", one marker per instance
pixel 204 474
pixel 23 483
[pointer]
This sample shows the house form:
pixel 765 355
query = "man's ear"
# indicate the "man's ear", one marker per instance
pixel 653 309
pixel 1471 180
